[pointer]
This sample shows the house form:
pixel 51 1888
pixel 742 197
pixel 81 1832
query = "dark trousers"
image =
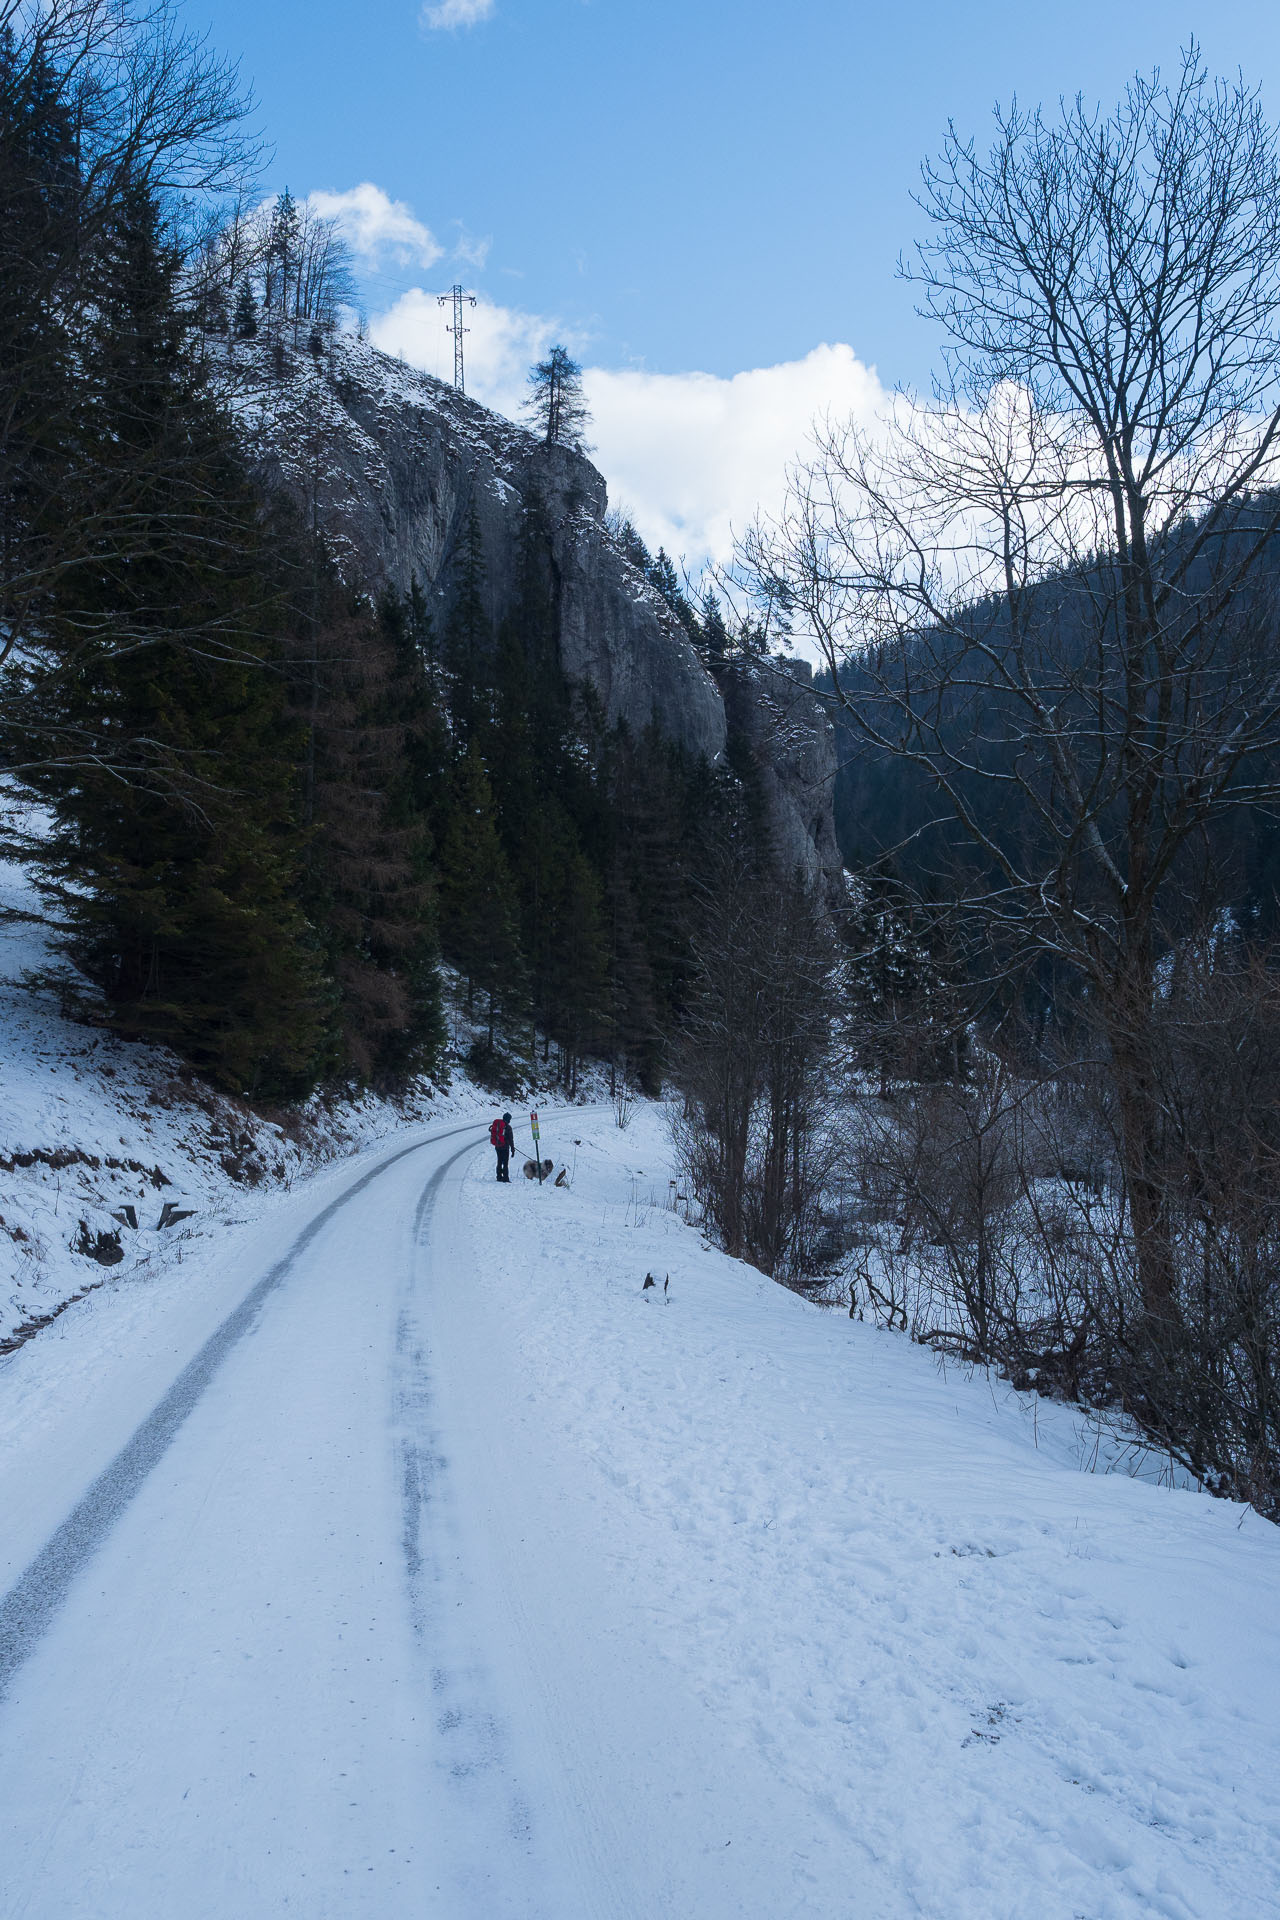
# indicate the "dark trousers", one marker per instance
pixel 504 1154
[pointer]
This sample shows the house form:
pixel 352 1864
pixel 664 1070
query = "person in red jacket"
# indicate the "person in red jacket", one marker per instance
pixel 502 1139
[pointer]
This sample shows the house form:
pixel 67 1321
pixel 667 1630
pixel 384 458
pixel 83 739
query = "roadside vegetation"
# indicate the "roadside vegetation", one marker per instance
pixel 1046 602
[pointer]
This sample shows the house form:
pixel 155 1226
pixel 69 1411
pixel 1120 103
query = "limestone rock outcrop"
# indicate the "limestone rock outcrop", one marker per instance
pixel 392 463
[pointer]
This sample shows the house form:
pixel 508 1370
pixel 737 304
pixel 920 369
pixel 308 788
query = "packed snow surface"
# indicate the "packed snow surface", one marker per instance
pixel 401 1554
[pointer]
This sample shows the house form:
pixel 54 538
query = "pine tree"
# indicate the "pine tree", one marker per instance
pixel 555 403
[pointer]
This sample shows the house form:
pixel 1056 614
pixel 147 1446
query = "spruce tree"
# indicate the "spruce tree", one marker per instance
pixel 281 264
pixel 369 884
pixel 632 546
pixel 245 323
pixel 467 642
pixel 712 634
pixel 663 577
pixel 575 960
pixel 178 886
pixel 555 404
pixel 40 388
pixel 632 1025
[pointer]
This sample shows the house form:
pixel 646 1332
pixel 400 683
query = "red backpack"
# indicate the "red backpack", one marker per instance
pixel 495 1134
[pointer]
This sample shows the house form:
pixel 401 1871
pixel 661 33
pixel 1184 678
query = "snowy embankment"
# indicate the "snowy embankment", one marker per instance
pixel 1003 1685
pixel 102 1143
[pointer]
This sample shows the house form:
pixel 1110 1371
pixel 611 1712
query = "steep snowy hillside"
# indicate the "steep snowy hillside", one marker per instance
pixel 997 1681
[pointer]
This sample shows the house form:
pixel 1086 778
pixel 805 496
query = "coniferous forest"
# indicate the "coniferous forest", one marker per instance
pixel 279 802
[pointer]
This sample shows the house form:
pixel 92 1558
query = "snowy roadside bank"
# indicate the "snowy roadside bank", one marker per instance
pixel 117 1164
pixel 1006 1686
pixel 101 1140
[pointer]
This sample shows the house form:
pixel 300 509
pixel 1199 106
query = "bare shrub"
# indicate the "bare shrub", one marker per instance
pixel 1003 1233
pixel 945 1159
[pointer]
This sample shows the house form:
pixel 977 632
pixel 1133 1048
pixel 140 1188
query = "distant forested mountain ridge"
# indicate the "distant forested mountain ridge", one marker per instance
pixel 890 818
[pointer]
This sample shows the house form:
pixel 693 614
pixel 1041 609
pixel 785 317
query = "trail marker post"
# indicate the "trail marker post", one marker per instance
pixel 537 1142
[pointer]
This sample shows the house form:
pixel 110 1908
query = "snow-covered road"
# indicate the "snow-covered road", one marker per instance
pixel 414 1562
pixel 325 1635
pixel 226 1713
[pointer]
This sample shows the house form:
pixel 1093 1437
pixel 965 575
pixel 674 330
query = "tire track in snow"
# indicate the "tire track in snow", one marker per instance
pixel 28 1609
pixel 489 1811
pixel 541 1761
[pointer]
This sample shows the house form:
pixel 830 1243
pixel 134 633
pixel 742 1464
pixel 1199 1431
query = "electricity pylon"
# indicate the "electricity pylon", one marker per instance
pixel 457 296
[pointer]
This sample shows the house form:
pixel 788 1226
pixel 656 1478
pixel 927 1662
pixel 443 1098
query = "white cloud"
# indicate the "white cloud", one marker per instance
pixel 376 225
pixel 456 13
pixel 475 252
pixel 692 457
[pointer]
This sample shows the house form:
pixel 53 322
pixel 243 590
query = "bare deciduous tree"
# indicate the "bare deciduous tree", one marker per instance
pixel 753 1060
pixel 1052 588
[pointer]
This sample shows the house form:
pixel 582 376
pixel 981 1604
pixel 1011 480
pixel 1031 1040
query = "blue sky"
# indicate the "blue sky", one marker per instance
pixel 675 188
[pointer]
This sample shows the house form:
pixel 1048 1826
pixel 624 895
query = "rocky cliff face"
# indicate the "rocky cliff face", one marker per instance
pixel 794 746
pixel 391 464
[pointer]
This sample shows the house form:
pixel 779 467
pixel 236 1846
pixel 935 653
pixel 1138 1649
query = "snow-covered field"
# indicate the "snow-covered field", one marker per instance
pixel 472 1579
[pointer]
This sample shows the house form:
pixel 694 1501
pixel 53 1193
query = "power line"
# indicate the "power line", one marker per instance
pixel 458 297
